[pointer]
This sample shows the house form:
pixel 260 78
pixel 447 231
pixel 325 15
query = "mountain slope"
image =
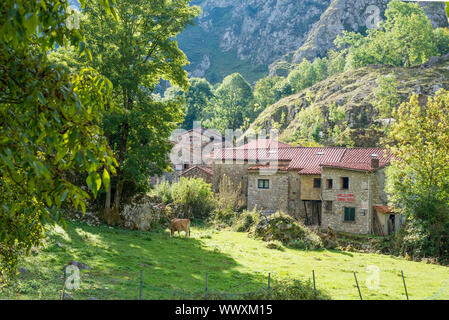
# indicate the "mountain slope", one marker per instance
pixel 353 90
pixel 247 36
pixel 350 15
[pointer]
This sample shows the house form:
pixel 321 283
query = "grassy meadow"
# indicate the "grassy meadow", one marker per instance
pixel 234 262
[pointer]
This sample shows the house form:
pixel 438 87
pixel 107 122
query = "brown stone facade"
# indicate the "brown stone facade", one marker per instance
pixel 302 196
pixel 198 172
pixel 268 191
pixel 341 188
pixel 357 196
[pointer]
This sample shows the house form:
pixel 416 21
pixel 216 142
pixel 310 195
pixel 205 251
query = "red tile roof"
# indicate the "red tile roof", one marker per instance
pixel 264 144
pixel 309 160
pixel 206 169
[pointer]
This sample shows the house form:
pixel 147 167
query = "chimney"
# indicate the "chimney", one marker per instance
pixel 374 163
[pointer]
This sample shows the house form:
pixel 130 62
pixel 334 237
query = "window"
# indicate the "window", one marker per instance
pixel 317 183
pixel 186 166
pixel 349 214
pixel 263 184
pixel 345 183
pixel 330 183
pixel 328 205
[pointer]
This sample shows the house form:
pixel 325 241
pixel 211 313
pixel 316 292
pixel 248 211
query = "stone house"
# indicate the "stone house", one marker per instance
pixel 203 172
pixel 342 188
pixel 191 149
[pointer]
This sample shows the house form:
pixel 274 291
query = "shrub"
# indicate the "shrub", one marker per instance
pixel 286 229
pixel 246 221
pixel 194 195
pixel 274 244
pixel 289 290
pixel 163 192
pixel 280 290
pixel 223 217
pixel 229 196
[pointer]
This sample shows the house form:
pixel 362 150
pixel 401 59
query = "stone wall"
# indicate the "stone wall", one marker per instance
pixel 294 201
pixel 237 173
pixel 358 196
pixel 274 198
pixel 196 172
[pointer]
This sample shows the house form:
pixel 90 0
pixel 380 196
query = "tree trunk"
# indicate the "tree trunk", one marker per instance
pixel 121 159
pixel 107 205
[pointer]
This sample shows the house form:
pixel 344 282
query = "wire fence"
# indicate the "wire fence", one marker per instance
pixel 240 291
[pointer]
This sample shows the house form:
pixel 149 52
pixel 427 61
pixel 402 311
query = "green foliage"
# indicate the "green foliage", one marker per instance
pixel 135 51
pixel 247 221
pixel 418 180
pixel 291 289
pixel 197 98
pixel 233 105
pixel 163 192
pixel 194 195
pixel 386 96
pixel 405 38
pixel 264 91
pixel 49 124
pixel 284 228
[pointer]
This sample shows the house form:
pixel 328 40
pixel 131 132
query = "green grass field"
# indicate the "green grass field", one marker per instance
pixel 235 263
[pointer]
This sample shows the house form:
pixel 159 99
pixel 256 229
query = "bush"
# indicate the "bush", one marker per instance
pixel 247 221
pixel 223 218
pixel 289 290
pixel 194 195
pixel 274 244
pixel 280 290
pixel 229 196
pixel 163 192
pixel 286 229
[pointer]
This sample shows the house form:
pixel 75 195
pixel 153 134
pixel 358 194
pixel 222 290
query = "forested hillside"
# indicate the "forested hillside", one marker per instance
pixel 249 36
pixel 302 116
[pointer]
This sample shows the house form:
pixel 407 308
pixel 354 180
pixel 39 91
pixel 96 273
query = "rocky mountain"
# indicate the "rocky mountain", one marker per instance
pixel 248 36
pixel 354 91
pixel 350 15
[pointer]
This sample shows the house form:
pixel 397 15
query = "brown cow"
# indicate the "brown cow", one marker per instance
pixel 180 225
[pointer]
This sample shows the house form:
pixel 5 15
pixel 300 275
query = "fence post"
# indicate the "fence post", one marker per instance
pixel 314 285
pixel 207 279
pixel 141 285
pixel 63 285
pixel 360 293
pixel 405 287
pixel 269 280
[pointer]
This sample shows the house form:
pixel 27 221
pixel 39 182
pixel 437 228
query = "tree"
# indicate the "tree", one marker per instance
pixel 386 96
pixel 49 125
pixel 264 91
pixel 196 98
pixel 135 52
pixel 233 105
pixel 404 38
pixel 418 178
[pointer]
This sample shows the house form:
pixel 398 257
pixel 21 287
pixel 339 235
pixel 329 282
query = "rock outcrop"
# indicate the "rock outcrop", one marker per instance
pixel 247 36
pixel 354 91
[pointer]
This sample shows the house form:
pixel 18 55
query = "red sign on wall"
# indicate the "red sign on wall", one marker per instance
pixel 349 197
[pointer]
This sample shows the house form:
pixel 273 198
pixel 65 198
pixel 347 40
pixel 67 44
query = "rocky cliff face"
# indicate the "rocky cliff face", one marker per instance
pixel 350 15
pixel 354 91
pixel 247 36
